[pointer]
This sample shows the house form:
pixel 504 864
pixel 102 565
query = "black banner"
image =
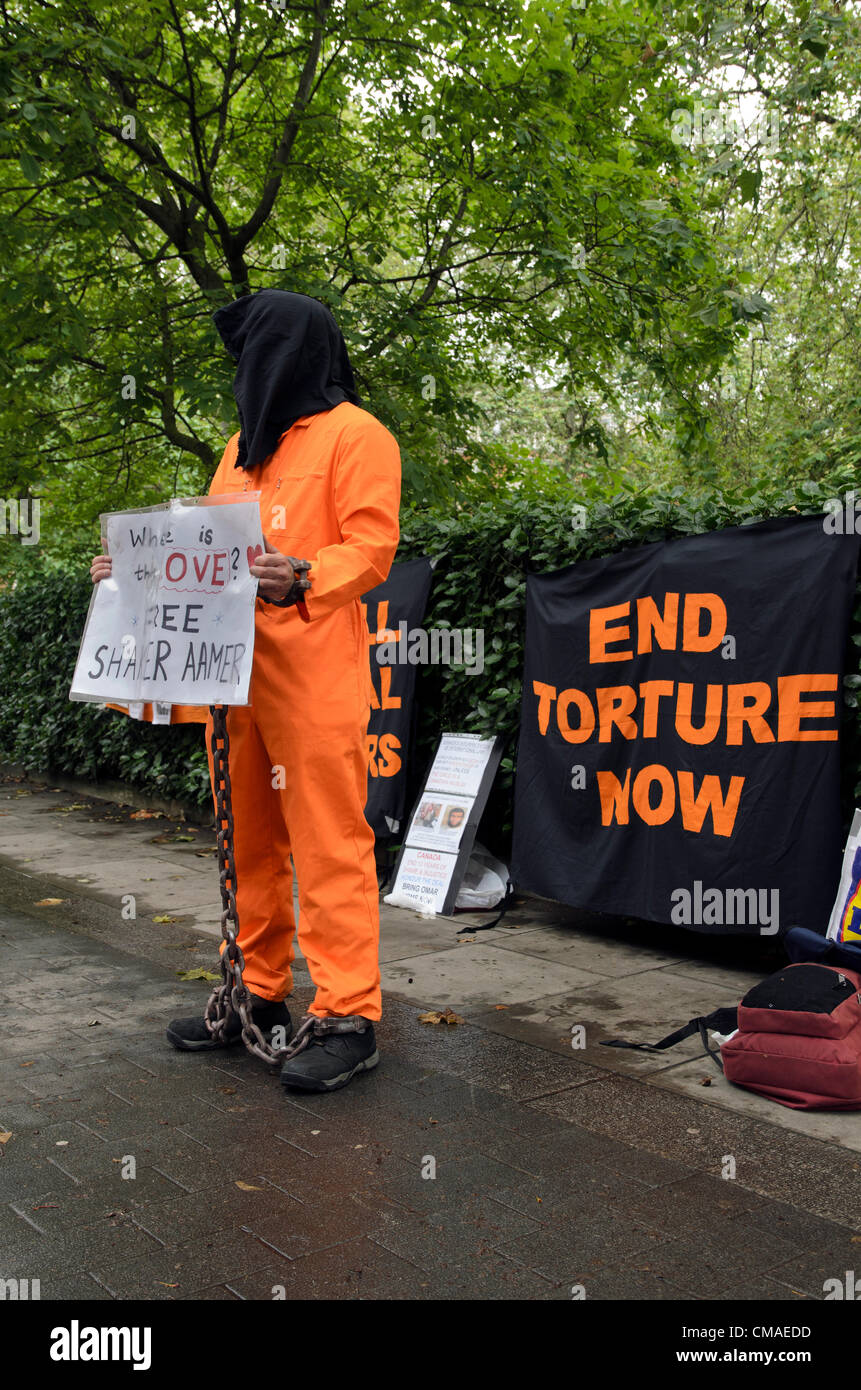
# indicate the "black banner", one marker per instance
pixel 392 611
pixel 679 742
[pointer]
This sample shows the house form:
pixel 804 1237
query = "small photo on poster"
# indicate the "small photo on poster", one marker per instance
pixel 439 824
pixel 427 816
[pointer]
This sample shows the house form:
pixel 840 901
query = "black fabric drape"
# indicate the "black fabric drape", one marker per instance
pixel 291 361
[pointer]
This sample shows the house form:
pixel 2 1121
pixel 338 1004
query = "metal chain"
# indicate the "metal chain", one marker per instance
pixel 232 995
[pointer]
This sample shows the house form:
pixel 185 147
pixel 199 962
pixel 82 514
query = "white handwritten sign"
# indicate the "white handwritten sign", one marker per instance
pixel 175 621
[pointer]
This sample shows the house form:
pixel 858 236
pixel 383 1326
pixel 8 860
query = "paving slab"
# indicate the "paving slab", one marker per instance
pixel 812 1174
pixel 479 976
pixel 694 1077
pixel 355 1270
pixel 590 952
pixel 405 935
pixel 583 1020
pixel 488 1160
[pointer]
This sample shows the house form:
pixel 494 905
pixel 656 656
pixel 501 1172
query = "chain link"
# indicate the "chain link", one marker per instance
pixel 232 995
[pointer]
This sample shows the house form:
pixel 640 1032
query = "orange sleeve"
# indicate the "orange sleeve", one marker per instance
pixel 367 488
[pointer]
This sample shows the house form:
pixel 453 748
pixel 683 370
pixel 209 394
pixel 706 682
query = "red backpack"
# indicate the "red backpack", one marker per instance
pixel 798 1038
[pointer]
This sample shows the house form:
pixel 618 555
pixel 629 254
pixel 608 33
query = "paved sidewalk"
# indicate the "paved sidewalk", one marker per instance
pixel 483 1161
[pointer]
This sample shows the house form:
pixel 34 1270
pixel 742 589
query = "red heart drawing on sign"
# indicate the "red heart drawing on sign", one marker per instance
pixel 252 552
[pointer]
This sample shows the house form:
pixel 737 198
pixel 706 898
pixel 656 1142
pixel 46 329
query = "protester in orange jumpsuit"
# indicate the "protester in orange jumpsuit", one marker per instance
pixel 328 474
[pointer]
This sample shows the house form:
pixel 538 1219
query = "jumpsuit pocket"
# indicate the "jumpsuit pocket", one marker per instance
pixel 296 472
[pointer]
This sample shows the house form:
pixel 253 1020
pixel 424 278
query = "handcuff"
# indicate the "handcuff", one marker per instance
pixel 299 587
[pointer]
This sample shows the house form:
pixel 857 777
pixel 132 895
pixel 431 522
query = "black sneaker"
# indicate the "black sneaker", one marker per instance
pixel 329 1052
pixel 192 1034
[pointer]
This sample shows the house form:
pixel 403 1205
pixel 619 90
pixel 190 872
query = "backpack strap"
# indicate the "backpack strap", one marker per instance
pixel 722 1021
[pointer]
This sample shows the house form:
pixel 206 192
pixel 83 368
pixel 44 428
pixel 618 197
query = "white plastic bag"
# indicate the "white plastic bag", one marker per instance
pixel 484 882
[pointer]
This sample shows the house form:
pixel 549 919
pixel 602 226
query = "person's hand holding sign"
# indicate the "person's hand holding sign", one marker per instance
pixel 100 568
pixel 275 573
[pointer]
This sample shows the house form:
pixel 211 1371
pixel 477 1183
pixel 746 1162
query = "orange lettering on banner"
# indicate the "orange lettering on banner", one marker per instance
pixel 599 636
pixel 381 634
pixel 614 797
pixel 615 706
pixel 650 694
pixel 744 705
pixel 389 750
pixel 692 639
pixel 739 712
pixel 710 797
pixel 606 627
pixel 546 695
pixel 694 806
pixel 651 622
pixel 792 709
pixel 385 746
pixel 388 701
pixel 708 729
pixel 660 814
pixel 586 726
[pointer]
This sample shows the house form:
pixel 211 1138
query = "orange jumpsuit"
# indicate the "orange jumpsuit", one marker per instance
pixel 330 494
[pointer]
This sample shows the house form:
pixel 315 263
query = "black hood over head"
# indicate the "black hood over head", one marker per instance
pixel 291 361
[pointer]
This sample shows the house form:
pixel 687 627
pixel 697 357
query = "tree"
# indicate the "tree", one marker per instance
pixel 773 110
pixel 476 189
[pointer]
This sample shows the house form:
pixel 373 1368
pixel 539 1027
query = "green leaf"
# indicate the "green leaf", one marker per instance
pixel 749 181
pixel 29 167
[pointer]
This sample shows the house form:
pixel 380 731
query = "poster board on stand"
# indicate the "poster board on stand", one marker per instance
pixel 443 825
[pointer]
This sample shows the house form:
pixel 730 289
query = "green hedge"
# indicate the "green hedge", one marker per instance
pixel 41 622
pixel 479 582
